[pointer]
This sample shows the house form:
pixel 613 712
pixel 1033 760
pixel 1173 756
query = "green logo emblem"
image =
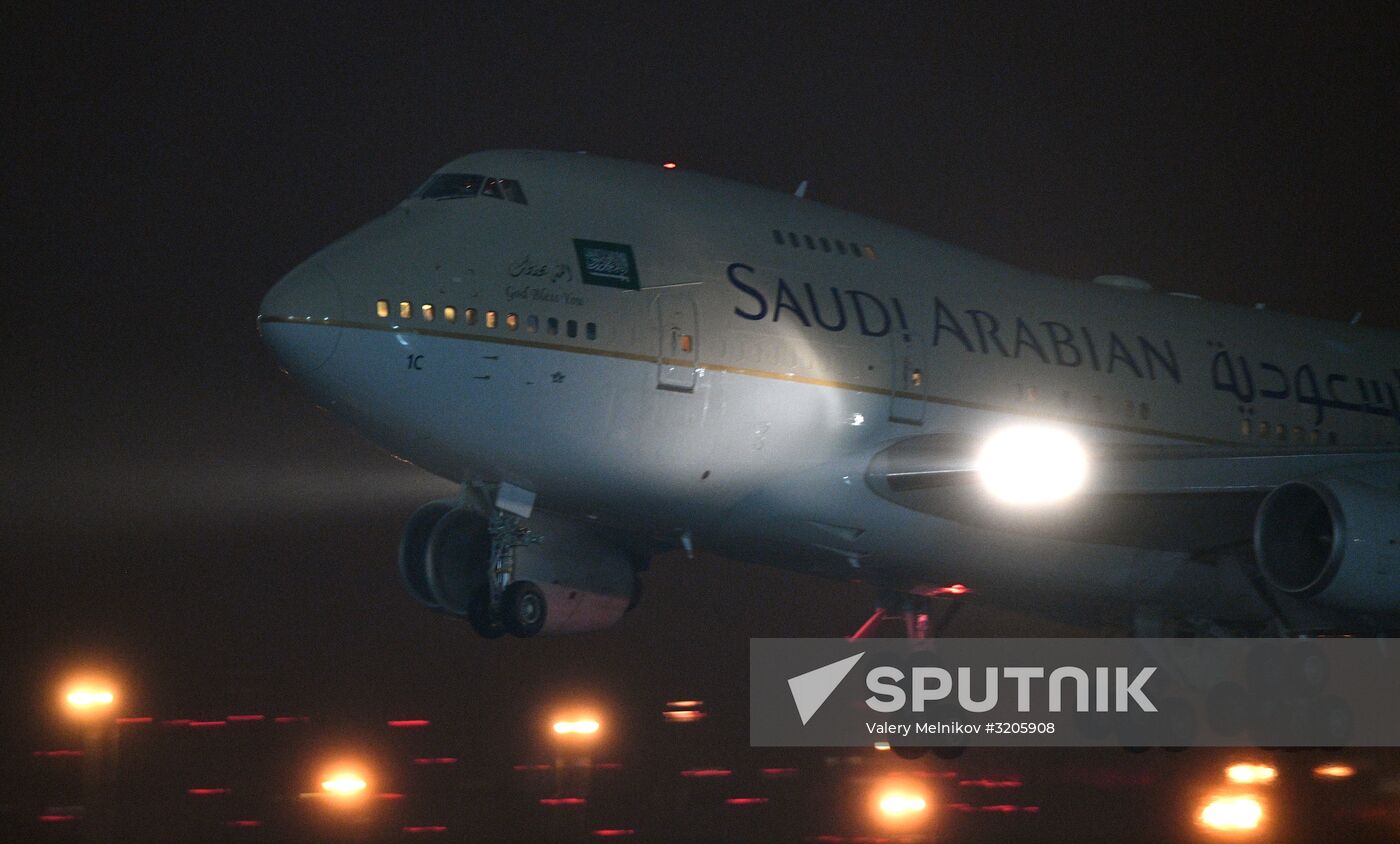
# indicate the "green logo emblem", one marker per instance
pixel 607 264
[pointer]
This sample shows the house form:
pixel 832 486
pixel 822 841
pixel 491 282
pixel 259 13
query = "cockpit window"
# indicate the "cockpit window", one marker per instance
pixel 465 185
pixel 450 186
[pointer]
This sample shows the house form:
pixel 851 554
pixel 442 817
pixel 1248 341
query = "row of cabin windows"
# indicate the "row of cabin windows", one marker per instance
pixel 1141 410
pixel 1278 431
pixel 490 319
pixel 841 247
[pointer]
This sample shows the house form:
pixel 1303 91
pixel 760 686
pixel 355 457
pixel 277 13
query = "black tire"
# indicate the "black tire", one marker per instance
pixel 479 615
pixel 458 553
pixel 413 550
pixel 524 609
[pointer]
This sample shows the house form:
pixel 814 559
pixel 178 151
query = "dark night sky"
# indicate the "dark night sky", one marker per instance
pixel 173 503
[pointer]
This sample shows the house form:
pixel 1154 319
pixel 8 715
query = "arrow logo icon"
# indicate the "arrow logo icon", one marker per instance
pixel 810 690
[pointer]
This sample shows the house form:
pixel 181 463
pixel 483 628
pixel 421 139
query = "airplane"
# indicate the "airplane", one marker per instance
pixel 613 359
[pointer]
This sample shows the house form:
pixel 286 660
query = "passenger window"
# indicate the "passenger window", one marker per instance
pixel 792 238
pixel 571 328
pixel 1245 427
pixel 469 316
pixel 450 186
pixel 686 343
pixel 427 313
pixel 511 189
pixel 855 249
pixel 532 323
pixel 916 378
pixel 405 310
pixel 826 245
pixel 553 325
pixel 1262 428
pixel 1298 435
pixel 490 319
pixel 810 243
pixel 381 308
pixel 591 331
pixel 449 313
pixel 1315 436
pixel 1281 432
pixel 869 251
pixel 492 188
pixel 512 321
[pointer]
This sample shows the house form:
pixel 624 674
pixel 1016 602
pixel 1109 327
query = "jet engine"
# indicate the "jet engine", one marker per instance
pixel 568 577
pixel 1334 539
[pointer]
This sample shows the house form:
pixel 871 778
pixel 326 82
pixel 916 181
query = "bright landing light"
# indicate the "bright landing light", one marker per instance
pixel 1032 464
pixel 344 785
pixel 1232 814
pixel 900 805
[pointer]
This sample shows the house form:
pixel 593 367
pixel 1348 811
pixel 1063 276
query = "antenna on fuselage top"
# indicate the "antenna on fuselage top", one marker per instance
pixel 801 189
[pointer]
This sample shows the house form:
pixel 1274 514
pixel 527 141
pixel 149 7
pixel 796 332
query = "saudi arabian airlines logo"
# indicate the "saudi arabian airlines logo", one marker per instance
pixel 810 690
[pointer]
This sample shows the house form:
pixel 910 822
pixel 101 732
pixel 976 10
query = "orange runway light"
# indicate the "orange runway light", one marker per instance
pixel 1246 773
pixel 670 165
pixel 682 716
pixel 1334 772
pixel 898 804
pixel 581 727
pixel 685 704
pixel 1234 813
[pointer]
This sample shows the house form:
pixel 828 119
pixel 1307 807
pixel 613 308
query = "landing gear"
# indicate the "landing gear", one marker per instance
pixel 523 609
pixel 413 550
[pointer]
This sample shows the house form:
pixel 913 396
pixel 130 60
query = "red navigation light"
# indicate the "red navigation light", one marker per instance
pixel 411 722
pixel 670 165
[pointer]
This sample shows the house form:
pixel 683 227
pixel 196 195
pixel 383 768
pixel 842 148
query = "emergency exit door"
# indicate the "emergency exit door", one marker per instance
pixel 679 346
pixel 909 382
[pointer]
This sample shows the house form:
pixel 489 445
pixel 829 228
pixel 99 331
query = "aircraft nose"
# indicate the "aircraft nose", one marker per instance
pixel 299 318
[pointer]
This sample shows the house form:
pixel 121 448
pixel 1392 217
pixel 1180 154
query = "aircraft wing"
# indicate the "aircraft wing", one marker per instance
pixel 1174 497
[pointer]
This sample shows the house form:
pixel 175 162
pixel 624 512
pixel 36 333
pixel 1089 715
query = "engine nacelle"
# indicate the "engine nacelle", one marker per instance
pixel 1335 539
pixel 588 580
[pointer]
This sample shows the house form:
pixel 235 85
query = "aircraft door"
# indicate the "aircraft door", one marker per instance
pixel 679 344
pixel 909 387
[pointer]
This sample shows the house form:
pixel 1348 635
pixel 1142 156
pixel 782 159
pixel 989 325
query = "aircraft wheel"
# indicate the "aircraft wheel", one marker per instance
pixel 459 549
pixel 479 615
pixel 523 609
pixel 413 550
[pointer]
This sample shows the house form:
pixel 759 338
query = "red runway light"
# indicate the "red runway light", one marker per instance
pixel 1000 807
pixel 205 792
pixel 437 760
pixel 746 801
pixel 207 723
pixel 986 783
pixel 248 824
pixel 425 829
pixel 57 818
pixel 411 722
pixel 143 719
pixel 390 795
pixel 290 719
pixel 778 772
pixel 682 716
pixel 176 722
pixel 245 718
pixel 707 772
pixel 608 766
pixel 614 833
pixel 563 801
pixel 57 754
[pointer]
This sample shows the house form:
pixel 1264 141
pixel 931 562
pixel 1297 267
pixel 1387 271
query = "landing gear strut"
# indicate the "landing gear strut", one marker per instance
pixel 513 606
